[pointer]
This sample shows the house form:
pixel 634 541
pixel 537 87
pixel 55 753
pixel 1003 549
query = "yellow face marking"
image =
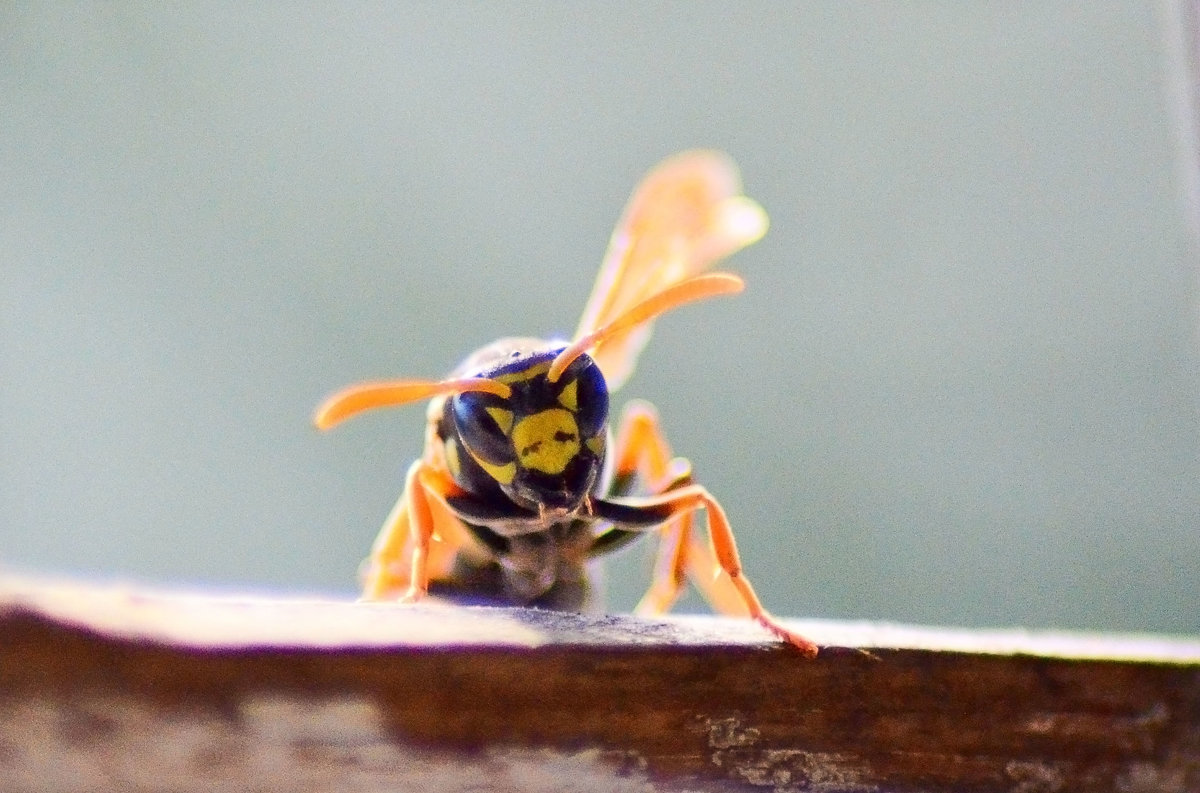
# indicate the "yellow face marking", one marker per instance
pixel 503 474
pixel 524 374
pixel 547 441
pixel 502 417
pixel 596 443
pixel 569 396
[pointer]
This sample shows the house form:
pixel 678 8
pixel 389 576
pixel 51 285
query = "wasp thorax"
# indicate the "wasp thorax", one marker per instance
pixel 544 444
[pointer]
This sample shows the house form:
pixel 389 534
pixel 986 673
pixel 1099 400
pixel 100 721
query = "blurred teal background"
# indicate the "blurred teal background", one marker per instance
pixel 962 386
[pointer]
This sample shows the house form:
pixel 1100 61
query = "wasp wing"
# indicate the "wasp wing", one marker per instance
pixel 687 214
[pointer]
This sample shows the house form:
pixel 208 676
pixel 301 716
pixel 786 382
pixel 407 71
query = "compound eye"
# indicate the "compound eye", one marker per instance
pixel 586 394
pixel 483 424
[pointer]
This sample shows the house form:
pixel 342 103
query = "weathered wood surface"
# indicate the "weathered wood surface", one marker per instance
pixel 116 688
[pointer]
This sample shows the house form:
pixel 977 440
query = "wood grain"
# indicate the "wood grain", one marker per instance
pixel 121 688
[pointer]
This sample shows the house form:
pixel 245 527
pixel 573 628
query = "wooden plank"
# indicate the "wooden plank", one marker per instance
pixel 107 688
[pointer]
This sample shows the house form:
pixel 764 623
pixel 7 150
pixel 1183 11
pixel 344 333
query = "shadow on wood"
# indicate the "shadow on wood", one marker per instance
pixel 108 688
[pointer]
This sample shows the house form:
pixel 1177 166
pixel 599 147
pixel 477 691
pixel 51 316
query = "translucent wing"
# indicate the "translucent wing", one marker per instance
pixel 686 215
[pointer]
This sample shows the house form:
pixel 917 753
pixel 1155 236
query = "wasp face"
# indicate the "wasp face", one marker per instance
pixel 544 445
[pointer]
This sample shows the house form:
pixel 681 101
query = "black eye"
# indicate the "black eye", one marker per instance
pixel 591 399
pixel 483 425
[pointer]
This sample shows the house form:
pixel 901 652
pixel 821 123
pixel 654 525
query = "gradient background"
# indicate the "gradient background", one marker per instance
pixel 963 385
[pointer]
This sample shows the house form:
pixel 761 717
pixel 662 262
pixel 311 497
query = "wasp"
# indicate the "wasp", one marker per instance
pixel 523 483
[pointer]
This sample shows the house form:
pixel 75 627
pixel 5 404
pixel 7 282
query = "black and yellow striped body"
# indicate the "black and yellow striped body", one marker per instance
pixel 536 475
pixel 519 485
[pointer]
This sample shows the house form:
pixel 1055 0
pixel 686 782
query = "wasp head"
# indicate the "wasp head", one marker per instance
pixel 544 444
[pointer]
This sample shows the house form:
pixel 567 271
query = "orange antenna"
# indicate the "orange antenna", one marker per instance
pixel 365 396
pixel 698 287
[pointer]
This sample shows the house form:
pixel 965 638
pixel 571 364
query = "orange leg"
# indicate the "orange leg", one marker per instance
pixel 383 574
pixel 670 568
pixel 642 450
pixel 422 535
pixel 692 497
pixel 419 538
pixel 725 548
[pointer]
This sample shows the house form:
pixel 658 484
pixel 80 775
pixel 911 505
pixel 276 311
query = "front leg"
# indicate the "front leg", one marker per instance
pixel 419 539
pixel 642 453
pixel 685 500
pixel 644 465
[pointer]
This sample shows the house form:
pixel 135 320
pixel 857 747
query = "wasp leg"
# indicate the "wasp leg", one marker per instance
pixel 420 527
pixel 641 448
pixel 642 452
pixel 688 499
pixel 670 568
pixel 721 536
pixel 383 575
pixel 422 535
